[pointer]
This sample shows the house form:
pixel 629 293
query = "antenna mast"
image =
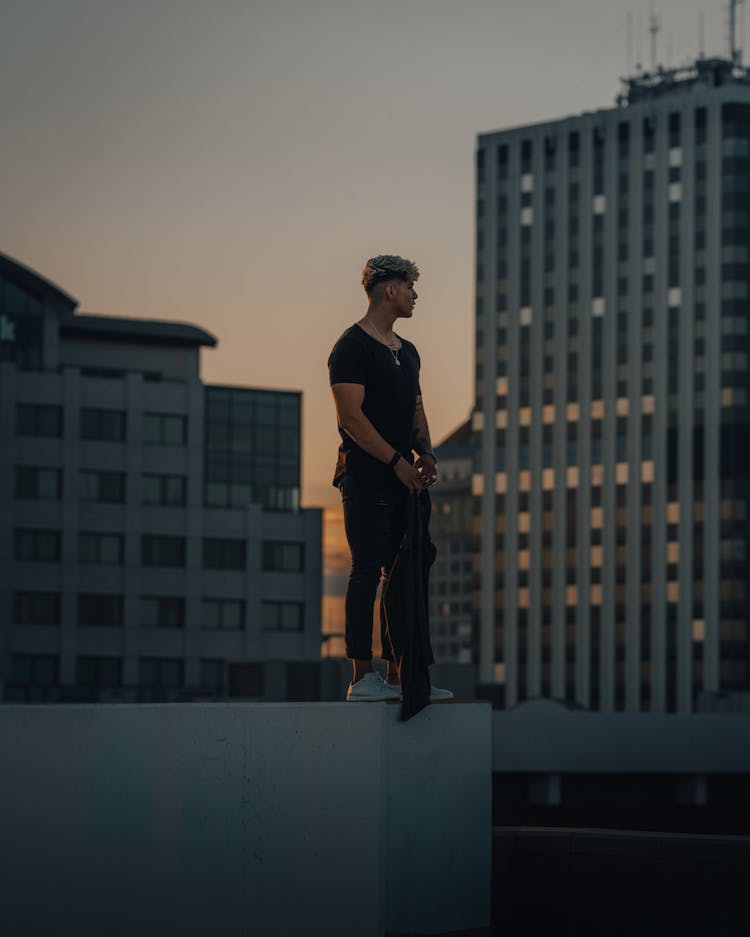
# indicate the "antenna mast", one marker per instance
pixel 629 52
pixel 735 53
pixel 701 35
pixel 653 28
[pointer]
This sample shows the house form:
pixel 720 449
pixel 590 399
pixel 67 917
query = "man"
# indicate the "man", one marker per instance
pixel 374 376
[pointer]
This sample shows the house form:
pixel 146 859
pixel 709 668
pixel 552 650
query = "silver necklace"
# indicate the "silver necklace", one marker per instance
pixel 394 349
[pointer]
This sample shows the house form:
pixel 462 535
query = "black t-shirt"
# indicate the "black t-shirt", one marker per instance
pixel 389 404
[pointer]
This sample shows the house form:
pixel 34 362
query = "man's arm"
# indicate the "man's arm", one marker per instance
pixel 349 399
pixel 421 444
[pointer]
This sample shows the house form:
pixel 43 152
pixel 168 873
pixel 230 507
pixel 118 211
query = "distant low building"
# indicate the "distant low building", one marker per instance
pixel 450 528
pixel 151 537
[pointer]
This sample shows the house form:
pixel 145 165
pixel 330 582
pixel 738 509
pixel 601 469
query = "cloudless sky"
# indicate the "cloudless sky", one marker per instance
pixel 233 163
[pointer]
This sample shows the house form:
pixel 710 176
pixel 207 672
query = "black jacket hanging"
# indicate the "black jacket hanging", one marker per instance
pixel 405 606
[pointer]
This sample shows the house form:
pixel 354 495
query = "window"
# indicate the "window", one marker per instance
pixel 165 672
pixel 222 614
pixel 38 419
pixel 279 556
pixel 160 611
pixel 108 425
pixel 41 546
pixel 100 548
pixel 165 429
pixel 36 608
pixel 252 448
pixel 164 489
pixel 102 486
pixel 221 553
pixel 100 610
pixel 282 616
pixel 162 551
pixel 43 484
pixel 34 669
pixel 99 672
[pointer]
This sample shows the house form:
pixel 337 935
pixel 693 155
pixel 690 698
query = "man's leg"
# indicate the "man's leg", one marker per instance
pixel 367 523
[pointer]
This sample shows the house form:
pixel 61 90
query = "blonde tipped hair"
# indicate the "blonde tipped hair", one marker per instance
pixel 387 267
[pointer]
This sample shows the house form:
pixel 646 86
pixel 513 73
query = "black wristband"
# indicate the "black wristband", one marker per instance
pixel 394 460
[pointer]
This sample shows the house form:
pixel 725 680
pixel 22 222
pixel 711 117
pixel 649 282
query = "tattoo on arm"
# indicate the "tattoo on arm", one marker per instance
pixel 421 433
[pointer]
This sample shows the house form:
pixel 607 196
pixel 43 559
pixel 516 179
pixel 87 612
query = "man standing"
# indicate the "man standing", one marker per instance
pixel 374 376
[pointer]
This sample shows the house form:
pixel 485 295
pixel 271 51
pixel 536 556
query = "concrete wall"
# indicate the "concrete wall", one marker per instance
pixel 244 819
pixel 544 737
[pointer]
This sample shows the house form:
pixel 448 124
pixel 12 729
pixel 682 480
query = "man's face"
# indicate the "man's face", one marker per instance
pixel 404 297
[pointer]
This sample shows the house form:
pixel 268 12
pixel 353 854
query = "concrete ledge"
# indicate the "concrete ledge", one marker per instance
pixel 244 819
pixel 552 739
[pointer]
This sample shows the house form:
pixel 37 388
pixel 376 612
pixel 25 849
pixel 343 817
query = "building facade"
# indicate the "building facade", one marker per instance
pixel 611 484
pixel 151 534
pixel 451 630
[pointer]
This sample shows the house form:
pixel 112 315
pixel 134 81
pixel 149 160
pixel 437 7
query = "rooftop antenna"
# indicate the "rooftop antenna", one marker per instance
pixel 639 35
pixel 701 35
pixel 629 47
pixel 653 27
pixel 735 53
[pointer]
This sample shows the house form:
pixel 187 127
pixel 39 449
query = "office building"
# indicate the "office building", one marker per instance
pixel 451 630
pixel 151 540
pixel 612 287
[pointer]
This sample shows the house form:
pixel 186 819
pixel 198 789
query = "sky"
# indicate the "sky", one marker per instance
pixel 234 163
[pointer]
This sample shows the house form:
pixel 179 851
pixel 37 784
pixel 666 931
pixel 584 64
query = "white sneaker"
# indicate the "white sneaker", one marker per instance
pixel 370 689
pixel 436 693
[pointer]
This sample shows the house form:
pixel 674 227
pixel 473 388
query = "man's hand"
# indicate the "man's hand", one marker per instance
pixel 408 475
pixel 427 466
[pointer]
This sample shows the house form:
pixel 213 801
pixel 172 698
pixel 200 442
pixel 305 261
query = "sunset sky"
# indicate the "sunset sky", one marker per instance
pixel 234 163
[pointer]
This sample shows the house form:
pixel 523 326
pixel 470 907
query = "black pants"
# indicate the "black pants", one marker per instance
pixel 374 524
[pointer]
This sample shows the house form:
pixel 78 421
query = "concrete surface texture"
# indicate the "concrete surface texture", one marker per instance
pixel 244 819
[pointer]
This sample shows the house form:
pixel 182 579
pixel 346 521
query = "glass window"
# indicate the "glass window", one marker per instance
pixel 33 419
pixel 107 425
pixel 36 608
pixel 165 672
pixel 222 553
pixel 166 429
pixel 99 672
pixel 42 546
pixel 282 616
pixel 164 489
pixel 222 614
pixel 162 550
pixel 279 556
pixel 102 486
pixel 34 669
pixel 100 548
pixel 252 448
pixel 99 609
pixel 159 611
pixel 44 484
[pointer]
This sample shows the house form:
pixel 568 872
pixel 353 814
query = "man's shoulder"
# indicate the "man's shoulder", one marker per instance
pixel 351 337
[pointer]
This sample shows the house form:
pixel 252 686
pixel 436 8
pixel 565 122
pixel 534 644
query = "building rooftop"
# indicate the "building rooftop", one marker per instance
pixel 703 73
pixel 29 280
pixel 139 331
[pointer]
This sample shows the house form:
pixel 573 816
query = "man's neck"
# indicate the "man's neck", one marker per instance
pixel 382 320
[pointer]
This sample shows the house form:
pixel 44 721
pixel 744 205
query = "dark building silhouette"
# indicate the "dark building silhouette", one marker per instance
pixel 611 407
pixel 151 538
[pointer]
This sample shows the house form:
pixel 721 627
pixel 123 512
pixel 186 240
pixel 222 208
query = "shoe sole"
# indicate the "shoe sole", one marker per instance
pixel 373 699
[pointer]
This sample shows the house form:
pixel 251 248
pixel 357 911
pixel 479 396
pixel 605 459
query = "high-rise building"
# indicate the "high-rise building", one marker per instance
pixel 151 538
pixel 612 340
pixel 451 577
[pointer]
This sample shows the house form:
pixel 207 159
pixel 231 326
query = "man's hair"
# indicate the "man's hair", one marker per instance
pixel 387 267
